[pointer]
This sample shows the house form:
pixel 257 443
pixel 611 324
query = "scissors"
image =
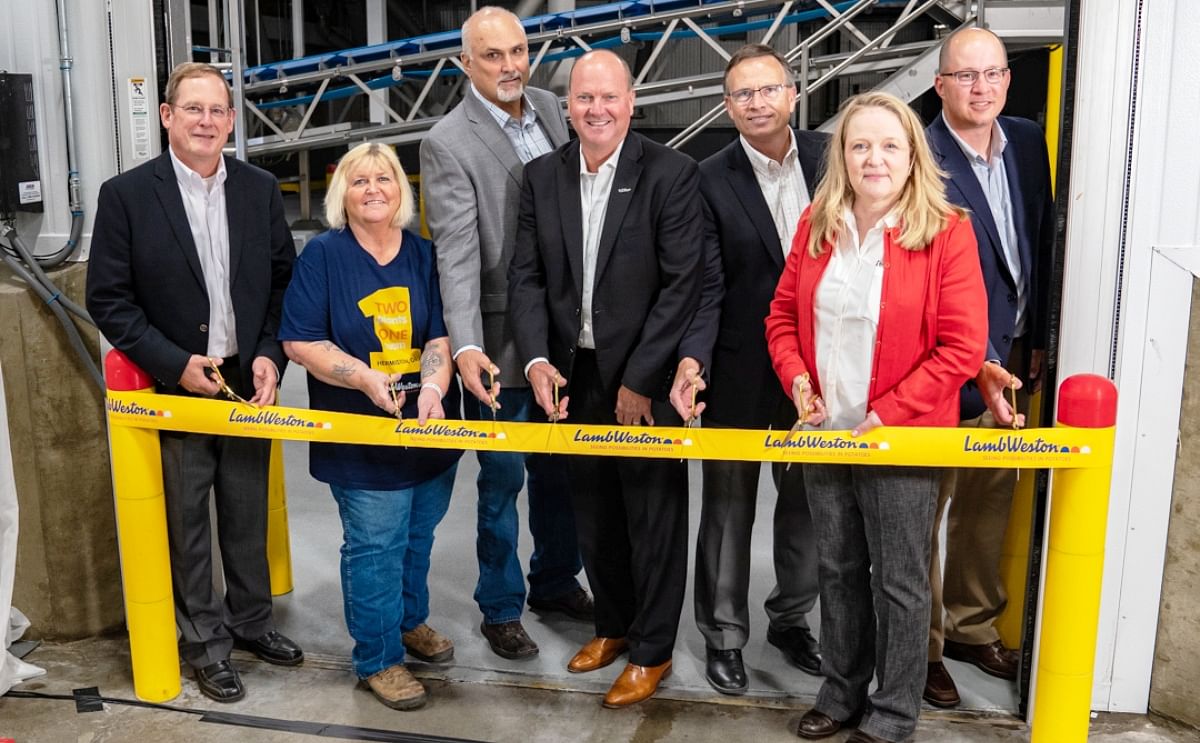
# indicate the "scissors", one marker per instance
pixel 808 409
pixel 396 401
pixel 693 417
pixel 223 385
pixel 554 415
pixel 491 394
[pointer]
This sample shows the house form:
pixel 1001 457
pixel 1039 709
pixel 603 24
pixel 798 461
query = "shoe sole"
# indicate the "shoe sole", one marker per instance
pixel 542 610
pixel 734 691
pixel 397 704
pixel 607 705
pixel 223 700
pixel 272 661
pixel 941 704
pixel 442 657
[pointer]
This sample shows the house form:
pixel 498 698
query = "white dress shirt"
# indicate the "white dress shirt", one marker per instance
pixel 204 201
pixel 594 189
pixel 847 315
pixel 783 188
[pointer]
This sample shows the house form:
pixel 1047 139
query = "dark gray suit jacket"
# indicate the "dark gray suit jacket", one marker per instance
pixel 471 177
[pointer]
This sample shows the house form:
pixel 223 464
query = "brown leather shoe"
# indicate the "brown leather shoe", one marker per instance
pixel 635 684
pixel 598 653
pixel 940 690
pixel 815 724
pixel 993 658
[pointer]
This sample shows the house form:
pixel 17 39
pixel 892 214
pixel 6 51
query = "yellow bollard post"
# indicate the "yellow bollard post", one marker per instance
pixel 279 545
pixel 142 540
pixel 1074 567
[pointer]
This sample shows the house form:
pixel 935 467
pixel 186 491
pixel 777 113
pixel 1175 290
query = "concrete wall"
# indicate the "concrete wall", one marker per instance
pixel 68 579
pixel 1177 653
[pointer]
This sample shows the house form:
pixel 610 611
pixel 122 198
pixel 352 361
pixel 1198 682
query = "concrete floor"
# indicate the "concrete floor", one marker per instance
pixel 323 692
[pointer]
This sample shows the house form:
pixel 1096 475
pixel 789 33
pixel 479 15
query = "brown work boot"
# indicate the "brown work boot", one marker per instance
pixel 509 640
pixel 425 643
pixel 396 688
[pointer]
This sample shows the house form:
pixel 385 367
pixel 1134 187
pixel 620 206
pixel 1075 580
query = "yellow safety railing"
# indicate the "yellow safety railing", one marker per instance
pixel 1079 450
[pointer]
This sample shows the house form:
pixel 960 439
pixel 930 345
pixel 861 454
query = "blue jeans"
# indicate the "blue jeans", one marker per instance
pixel 555 562
pixel 387 537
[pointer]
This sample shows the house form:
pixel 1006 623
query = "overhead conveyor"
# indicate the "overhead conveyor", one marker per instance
pixel 416 80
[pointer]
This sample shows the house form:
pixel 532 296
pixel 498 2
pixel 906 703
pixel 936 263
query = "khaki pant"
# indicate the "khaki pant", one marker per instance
pixel 970 596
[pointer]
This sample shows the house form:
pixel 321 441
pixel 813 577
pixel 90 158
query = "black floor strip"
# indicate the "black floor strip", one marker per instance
pixel 87 700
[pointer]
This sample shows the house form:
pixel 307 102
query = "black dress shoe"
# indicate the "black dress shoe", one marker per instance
pixel 814 724
pixel 273 648
pixel 220 681
pixel 575 603
pixel 799 647
pixel 992 658
pixel 724 670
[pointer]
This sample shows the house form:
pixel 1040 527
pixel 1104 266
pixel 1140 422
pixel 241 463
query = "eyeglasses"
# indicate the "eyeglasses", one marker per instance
pixel 223 385
pixel 218 113
pixel 991 75
pixel 743 96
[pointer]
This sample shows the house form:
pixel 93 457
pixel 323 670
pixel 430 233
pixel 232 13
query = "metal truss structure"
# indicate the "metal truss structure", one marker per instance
pixel 302 104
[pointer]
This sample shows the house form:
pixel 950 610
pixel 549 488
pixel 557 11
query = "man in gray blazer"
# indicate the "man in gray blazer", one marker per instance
pixel 471 168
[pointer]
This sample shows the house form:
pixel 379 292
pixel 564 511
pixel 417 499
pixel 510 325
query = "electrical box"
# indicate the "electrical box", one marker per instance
pixel 20 178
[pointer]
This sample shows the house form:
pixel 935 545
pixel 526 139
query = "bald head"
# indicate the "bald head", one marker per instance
pixel 967 36
pixel 600 104
pixel 485 22
pixel 496 57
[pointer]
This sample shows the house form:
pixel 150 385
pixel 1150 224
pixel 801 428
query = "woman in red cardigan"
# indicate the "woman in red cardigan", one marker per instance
pixel 879 317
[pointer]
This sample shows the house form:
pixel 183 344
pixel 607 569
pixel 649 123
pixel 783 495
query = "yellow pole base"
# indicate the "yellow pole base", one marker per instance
pixel 279 544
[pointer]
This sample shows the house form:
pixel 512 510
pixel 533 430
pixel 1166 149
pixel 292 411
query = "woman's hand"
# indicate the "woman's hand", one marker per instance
pixel 429 404
pixel 869 424
pixel 810 408
pixel 378 387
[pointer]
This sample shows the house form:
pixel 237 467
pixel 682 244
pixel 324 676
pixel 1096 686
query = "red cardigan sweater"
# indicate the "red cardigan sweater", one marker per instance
pixel 932 332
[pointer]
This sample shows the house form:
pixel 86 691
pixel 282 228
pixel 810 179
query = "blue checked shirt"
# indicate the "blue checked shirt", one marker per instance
pixel 526 135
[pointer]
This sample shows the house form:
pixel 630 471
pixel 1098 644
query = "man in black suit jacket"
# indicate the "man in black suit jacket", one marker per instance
pixel 997 168
pixel 190 257
pixel 604 279
pixel 754 192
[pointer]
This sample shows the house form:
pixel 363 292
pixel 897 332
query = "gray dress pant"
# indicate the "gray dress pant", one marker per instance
pixel 235 470
pixel 873 525
pixel 730 494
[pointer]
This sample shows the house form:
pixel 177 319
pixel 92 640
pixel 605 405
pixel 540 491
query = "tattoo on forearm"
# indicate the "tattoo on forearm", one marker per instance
pixel 343 370
pixel 431 362
pixel 327 345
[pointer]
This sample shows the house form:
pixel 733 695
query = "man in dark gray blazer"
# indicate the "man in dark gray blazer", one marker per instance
pixel 190 257
pixel 754 192
pixel 471 165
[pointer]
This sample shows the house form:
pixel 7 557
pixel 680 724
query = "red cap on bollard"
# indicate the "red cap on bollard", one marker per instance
pixel 1087 401
pixel 122 375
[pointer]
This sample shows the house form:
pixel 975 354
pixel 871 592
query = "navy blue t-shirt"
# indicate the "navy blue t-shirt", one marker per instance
pixel 383 316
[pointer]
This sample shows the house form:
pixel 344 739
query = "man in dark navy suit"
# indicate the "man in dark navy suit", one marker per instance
pixel 754 192
pixel 190 258
pixel 997 168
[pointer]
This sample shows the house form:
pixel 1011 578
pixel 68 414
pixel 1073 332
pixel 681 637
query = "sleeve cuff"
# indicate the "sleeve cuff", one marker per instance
pixel 468 347
pixel 537 360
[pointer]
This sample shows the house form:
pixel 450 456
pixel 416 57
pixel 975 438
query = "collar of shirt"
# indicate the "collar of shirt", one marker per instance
pixel 999 142
pixel 191 178
pixel 502 117
pixel 888 221
pixel 766 166
pixel 610 163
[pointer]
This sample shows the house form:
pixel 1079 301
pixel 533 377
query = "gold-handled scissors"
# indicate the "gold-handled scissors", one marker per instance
pixel 808 409
pixel 693 417
pixel 491 393
pixel 223 385
pixel 1012 396
pixel 554 413
pixel 396 401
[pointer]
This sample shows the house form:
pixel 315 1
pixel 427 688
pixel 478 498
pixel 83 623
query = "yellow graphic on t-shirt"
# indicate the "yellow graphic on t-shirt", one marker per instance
pixel 393 327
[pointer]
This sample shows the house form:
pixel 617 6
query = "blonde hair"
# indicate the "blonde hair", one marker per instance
pixel 923 206
pixel 187 71
pixel 375 154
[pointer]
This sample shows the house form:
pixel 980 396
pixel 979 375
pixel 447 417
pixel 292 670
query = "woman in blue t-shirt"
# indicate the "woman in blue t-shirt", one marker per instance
pixel 363 315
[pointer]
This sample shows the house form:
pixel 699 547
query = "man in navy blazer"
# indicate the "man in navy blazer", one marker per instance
pixel 997 168
pixel 754 191
pixel 190 257
pixel 603 281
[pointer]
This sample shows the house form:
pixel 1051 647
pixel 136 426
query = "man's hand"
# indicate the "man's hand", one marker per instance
pixel 429 405
pixel 266 381
pixel 872 422
pixel 687 380
pixel 994 381
pixel 1037 358
pixel 195 378
pixel 472 365
pixel 543 378
pixel 633 408
pixel 810 408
